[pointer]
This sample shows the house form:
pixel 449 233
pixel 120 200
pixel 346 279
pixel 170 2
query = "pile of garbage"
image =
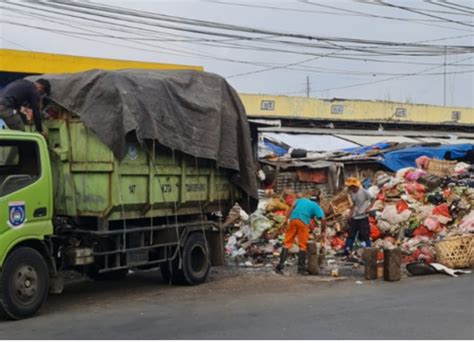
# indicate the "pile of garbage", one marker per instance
pixel 255 240
pixel 256 237
pixel 413 211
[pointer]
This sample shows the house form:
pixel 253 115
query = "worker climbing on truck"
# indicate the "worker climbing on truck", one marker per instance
pixel 300 215
pixel 19 93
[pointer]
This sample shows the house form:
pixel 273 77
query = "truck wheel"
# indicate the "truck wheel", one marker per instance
pixel 196 264
pixel 23 284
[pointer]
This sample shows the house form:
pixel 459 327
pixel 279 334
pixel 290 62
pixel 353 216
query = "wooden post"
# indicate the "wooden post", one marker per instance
pixel 370 260
pixel 313 263
pixel 392 264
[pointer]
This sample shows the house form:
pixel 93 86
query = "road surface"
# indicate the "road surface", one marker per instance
pixel 256 306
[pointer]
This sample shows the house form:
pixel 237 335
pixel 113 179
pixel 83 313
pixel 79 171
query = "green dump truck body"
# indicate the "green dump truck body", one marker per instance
pixel 68 204
pixel 88 181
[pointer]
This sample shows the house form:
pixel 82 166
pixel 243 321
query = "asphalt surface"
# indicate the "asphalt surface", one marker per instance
pixel 256 306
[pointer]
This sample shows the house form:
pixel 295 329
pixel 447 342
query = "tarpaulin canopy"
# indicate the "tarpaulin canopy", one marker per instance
pixel 365 149
pixel 310 142
pixel 398 159
pixel 277 150
pixel 197 113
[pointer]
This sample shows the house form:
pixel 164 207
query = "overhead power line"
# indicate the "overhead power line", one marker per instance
pixel 380 3
pixel 370 15
pixel 236 46
pixel 425 14
pixel 118 22
pixel 277 67
pixel 364 46
pixel 451 6
pixel 390 78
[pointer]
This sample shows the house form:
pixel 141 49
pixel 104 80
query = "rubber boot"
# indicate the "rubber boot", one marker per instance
pixel 281 265
pixel 302 263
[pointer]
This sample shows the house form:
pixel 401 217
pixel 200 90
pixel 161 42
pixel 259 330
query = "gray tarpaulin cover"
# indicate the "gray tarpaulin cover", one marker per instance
pixel 194 112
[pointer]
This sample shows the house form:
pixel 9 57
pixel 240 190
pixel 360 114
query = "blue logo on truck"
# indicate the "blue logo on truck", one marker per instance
pixel 16 214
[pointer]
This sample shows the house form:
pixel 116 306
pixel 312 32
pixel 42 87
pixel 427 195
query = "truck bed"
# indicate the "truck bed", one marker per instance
pixel 149 182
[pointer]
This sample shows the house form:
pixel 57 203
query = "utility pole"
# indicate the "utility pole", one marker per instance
pixel 444 87
pixel 308 87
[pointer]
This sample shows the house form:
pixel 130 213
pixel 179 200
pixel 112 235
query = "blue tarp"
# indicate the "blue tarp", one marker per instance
pixel 278 150
pixel 404 158
pixel 363 149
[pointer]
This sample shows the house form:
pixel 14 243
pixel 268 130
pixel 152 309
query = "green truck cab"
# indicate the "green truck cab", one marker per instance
pixel 66 203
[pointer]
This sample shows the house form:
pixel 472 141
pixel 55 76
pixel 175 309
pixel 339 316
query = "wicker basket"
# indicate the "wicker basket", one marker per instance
pixel 340 203
pixel 456 252
pixel 440 167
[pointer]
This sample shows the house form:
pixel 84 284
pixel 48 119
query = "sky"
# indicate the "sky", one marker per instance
pixel 286 69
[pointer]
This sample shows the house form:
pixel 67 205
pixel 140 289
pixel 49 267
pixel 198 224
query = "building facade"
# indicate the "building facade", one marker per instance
pixel 271 106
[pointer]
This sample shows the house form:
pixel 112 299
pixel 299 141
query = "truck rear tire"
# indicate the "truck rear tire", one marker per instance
pixel 24 284
pixel 196 262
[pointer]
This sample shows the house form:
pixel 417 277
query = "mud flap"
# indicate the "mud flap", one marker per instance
pixel 215 240
pixel 56 283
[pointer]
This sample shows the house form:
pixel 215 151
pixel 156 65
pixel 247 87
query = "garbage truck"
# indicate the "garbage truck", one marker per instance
pixel 75 202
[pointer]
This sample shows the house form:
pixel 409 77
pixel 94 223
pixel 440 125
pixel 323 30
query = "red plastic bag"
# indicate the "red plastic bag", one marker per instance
pixel 401 206
pixel 381 196
pixel 416 190
pixel 423 254
pixel 442 210
pixel 380 255
pixel 422 231
pixel 374 230
pixel 337 243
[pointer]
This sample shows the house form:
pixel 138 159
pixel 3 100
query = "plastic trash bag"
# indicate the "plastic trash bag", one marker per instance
pixel 259 224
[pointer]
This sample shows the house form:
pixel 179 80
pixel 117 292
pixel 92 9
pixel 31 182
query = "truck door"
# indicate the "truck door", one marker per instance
pixel 25 192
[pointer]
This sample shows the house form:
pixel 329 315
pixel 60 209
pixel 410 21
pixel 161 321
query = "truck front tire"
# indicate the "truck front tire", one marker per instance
pixel 24 284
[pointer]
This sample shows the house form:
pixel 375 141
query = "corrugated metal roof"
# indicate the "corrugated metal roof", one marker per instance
pixel 385 133
pixel 370 140
pixel 311 142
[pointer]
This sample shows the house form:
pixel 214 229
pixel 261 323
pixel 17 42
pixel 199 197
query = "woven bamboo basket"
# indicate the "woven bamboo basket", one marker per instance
pixel 456 252
pixel 440 167
pixel 341 203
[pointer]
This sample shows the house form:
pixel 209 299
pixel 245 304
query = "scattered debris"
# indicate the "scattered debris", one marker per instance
pixel 417 210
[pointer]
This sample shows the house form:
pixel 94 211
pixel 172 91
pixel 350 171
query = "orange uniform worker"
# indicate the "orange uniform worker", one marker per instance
pixel 300 215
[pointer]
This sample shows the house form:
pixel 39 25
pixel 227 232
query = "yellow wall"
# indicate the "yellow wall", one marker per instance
pixel 301 107
pixel 43 63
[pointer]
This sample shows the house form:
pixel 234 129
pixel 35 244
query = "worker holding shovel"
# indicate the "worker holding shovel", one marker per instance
pixel 300 215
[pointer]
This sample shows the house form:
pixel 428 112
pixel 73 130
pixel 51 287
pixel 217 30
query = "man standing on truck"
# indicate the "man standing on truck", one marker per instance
pixel 19 93
pixel 359 214
pixel 300 215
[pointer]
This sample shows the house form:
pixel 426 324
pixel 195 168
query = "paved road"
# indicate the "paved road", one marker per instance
pixel 256 306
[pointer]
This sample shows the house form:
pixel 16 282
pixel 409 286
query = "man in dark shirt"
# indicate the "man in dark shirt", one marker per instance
pixel 17 94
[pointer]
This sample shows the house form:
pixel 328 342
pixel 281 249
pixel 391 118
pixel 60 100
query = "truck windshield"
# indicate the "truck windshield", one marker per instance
pixel 19 165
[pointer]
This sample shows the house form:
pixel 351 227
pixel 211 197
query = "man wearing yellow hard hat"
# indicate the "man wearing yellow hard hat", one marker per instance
pixel 358 216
